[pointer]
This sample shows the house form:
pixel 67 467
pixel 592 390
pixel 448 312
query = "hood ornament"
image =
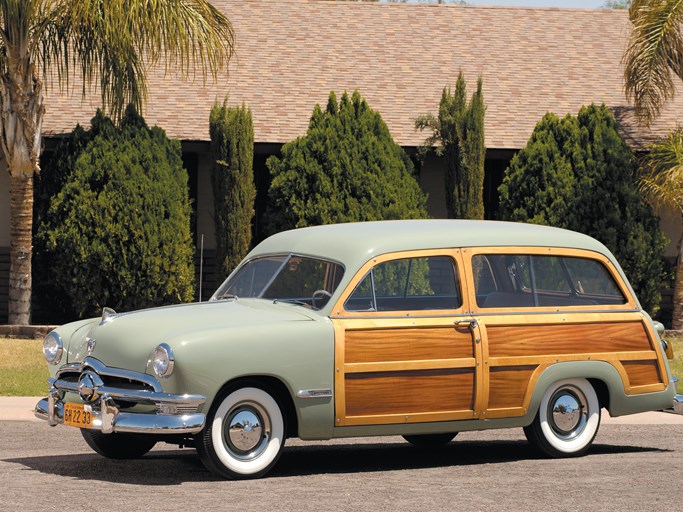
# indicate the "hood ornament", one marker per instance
pixel 108 315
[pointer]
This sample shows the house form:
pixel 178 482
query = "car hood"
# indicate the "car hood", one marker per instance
pixel 127 340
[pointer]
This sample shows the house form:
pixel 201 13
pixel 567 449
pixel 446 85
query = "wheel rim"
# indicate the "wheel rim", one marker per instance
pixel 568 413
pixel 246 431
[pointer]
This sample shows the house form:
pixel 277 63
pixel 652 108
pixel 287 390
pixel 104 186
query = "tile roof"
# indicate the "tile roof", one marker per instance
pixel 291 53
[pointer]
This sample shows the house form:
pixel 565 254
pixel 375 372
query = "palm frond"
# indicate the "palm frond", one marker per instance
pixel 655 50
pixel 661 178
pixel 115 42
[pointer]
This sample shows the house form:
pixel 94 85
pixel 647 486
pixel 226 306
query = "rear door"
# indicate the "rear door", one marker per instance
pixel 541 306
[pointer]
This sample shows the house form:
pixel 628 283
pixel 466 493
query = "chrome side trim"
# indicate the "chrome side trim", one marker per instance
pixel 314 393
pixel 498 312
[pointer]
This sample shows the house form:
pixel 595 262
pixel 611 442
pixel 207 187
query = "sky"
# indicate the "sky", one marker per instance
pixel 584 4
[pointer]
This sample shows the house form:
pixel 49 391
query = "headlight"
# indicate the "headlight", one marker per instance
pixel 53 348
pixel 162 360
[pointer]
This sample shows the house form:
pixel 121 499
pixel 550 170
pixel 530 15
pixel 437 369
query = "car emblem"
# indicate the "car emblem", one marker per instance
pixel 90 344
pixel 87 386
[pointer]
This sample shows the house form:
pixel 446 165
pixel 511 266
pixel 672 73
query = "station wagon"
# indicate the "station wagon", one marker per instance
pixel 415 328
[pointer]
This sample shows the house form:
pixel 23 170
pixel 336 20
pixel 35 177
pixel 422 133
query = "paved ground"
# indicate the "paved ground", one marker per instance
pixel 21 409
pixel 630 467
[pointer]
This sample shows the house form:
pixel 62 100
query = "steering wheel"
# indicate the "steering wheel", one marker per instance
pixel 320 295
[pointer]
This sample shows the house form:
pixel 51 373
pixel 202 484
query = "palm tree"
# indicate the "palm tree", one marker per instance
pixel 662 182
pixel 653 58
pixel 654 54
pixel 109 43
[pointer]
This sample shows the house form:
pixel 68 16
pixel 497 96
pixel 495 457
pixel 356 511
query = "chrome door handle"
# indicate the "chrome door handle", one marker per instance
pixel 472 324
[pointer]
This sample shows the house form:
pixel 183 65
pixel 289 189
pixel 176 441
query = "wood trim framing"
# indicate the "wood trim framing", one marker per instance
pixel 409 366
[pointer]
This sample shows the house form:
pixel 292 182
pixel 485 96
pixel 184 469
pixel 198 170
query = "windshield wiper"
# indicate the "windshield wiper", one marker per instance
pixel 228 296
pixel 293 301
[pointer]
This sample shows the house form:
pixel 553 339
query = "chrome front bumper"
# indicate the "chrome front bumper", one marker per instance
pixel 173 414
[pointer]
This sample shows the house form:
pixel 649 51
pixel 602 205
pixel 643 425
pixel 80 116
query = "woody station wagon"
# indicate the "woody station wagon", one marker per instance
pixel 414 328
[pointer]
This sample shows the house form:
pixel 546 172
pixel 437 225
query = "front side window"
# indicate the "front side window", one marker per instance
pixel 288 278
pixel 408 284
pixel 528 280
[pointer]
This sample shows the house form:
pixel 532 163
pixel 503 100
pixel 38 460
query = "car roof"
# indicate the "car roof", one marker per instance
pixel 355 243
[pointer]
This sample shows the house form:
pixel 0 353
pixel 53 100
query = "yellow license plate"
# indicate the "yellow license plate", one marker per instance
pixel 78 415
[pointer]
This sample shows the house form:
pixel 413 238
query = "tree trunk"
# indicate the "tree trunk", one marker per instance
pixel 677 316
pixel 21 118
pixel 21 248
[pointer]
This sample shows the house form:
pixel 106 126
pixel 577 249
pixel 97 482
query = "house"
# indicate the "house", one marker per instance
pixel 291 53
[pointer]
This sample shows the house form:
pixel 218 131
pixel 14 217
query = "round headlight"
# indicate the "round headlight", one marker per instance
pixel 53 348
pixel 162 360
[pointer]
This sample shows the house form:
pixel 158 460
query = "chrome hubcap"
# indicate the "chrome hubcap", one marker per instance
pixel 567 412
pixel 246 431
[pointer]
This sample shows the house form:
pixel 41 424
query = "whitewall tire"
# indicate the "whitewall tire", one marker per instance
pixel 568 419
pixel 244 434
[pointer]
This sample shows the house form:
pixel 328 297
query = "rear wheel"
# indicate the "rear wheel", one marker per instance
pixel 118 445
pixel 244 434
pixel 568 419
pixel 430 440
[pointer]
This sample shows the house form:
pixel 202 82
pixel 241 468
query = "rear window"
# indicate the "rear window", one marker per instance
pixel 529 280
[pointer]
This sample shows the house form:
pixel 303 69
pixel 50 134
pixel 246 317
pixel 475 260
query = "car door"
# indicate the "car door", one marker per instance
pixel 540 306
pixel 406 350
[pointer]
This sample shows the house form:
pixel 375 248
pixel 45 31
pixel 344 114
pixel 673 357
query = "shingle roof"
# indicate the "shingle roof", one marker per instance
pixel 291 53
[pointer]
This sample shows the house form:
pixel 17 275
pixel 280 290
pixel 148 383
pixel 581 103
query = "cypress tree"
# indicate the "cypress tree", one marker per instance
pixel 578 173
pixel 458 133
pixel 232 146
pixel 345 168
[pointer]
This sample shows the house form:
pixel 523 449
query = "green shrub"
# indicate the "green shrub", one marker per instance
pixel 346 168
pixel 118 232
pixel 232 145
pixel 578 173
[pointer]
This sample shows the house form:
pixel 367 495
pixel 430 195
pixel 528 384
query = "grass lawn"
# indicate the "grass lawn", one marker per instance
pixel 23 370
pixel 677 364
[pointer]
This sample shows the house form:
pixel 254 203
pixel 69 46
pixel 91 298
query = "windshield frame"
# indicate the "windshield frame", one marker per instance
pixel 221 292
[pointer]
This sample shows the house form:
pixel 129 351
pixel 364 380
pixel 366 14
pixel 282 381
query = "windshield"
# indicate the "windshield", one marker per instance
pixel 301 280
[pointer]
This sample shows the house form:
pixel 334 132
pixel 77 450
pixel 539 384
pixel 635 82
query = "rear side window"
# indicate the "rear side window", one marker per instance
pixel 528 280
pixel 408 284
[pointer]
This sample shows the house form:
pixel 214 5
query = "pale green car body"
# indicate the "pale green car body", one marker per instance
pixel 220 341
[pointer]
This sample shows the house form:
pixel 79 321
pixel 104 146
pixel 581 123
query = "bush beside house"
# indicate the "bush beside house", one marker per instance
pixel 578 173
pixel 346 168
pixel 117 233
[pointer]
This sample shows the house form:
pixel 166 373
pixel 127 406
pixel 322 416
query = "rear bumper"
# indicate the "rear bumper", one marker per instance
pixel 678 404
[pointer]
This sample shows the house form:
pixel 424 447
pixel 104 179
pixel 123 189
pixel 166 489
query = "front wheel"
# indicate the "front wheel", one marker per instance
pixel 568 419
pixel 244 434
pixel 118 445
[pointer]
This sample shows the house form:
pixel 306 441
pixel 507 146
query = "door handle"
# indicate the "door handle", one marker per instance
pixel 472 324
